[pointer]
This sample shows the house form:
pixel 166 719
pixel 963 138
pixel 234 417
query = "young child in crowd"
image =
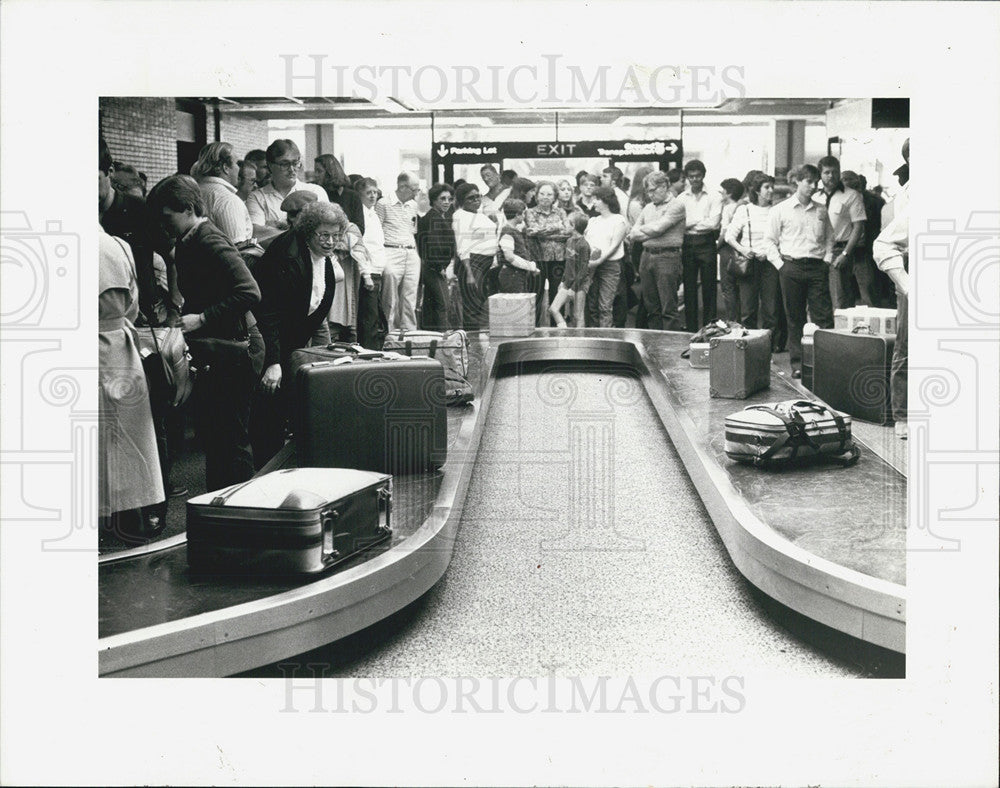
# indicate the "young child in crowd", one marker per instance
pixel 515 267
pixel 576 274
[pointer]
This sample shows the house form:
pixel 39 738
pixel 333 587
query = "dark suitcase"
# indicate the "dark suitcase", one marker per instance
pixel 369 410
pixel 739 366
pixel 299 520
pixel 851 373
pixel 807 362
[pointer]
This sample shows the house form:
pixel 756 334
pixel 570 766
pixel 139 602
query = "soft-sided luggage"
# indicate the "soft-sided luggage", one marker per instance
pixel 851 373
pixel 876 319
pixel 697 351
pixel 370 410
pixel 512 314
pixel 450 348
pixel 786 431
pixel 739 366
pixel 299 520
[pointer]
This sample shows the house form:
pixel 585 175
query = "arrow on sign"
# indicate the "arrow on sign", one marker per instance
pixel 672 147
pixel 442 150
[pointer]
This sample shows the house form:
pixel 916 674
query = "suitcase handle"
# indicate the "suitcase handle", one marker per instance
pixel 225 495
pixel 348 347
pixel 328 519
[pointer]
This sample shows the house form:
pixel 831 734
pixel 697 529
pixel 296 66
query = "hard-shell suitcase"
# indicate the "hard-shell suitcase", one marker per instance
pixel 368 410
pixel 876 319
pixel 299 520
pixel 512 314
pixel 739 365
pixel 851 373
pixel 451 348
pixel 808 356
pixel 698 355
pixel 789 430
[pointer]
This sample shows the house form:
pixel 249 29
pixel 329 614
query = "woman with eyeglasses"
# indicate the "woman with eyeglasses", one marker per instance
pixel 546 229
pixel 300 276
pixel 436 245
pixel 476 250
pixel 284 163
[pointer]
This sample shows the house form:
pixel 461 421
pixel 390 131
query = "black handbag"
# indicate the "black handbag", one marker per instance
pixel 167 343
pixel 227 354
pixel 740 264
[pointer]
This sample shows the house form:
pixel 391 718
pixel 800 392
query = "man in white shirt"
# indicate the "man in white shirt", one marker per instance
pixel 397 212
pixel 700 261
pixel 614 177
pixel 891 253
pixel 376 306
pixel 283 161
pixel 846 209
pixel 800 245
pixel 491 178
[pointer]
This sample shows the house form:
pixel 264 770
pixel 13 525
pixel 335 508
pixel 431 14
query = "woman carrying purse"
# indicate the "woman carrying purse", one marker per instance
pixel 226 347
pixel 759 291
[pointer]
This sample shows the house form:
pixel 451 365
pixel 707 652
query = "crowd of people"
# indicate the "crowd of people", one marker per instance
pixel 252 262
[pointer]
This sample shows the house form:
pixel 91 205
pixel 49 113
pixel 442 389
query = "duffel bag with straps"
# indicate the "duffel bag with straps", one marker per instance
pixel 450 348
pixel 783 432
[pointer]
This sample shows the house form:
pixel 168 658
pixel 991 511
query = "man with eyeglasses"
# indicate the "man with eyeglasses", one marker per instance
pixel 398 213
pixel 660 227
pixel 284 162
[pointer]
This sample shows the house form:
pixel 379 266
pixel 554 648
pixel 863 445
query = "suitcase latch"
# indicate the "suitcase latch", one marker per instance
pixel 329 521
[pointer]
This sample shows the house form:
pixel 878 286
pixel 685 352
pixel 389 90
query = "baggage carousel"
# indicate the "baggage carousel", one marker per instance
pixel 826 542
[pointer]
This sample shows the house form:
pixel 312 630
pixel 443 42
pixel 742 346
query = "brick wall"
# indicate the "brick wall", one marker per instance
pixel 244 134
pixel 142 132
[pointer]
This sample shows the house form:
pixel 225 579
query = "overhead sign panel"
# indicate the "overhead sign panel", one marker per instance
pixel 620 150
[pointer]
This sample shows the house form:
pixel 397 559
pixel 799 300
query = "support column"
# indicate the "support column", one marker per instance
pixel 319 140
pixel 789 145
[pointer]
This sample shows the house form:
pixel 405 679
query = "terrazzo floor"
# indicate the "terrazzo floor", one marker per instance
pixel 642 585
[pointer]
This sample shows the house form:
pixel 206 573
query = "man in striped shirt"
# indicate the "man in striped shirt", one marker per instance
pixel 801 242
pixel 398 214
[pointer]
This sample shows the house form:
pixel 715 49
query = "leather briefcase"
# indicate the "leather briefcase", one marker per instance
pixel 299 520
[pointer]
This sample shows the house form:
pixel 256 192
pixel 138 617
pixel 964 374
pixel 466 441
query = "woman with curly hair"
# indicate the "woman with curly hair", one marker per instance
pixel 546 228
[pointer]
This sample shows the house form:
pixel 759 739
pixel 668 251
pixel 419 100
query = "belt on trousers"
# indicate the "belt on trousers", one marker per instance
pixel 655 249
pixel 397 246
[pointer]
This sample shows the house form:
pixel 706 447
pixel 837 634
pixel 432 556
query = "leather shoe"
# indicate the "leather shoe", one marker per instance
pixel 796 373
